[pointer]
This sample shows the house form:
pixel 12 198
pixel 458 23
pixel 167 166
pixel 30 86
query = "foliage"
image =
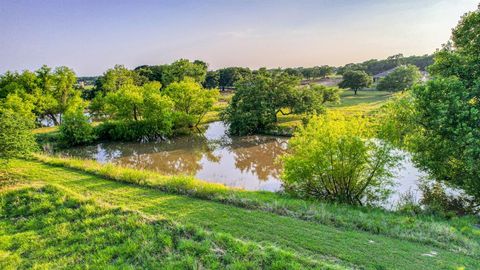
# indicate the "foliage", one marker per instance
pixel 259 98
pixel 228 77
pixel 402 78
pixel 128 130
pixel 355 80
pixel 316 72
pixel 212 80
pixel 183 68
pixel 437 201
pixel 191 101
pixel 441 125
pixel 16 122
pixel 374 66
pixel 430 230
pixel 50 92
pixel 117 77
pixel 48 228
pixel 336 159
pixel 75 128
pixel 175 72
pixel 134 103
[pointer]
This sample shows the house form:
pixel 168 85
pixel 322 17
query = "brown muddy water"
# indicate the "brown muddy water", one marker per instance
pixel 248 162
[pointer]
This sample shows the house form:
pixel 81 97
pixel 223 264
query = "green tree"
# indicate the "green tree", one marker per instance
pixel 117 77
pixel 261 97
pixel 336 159
pixel 355 80
pixel 212 80
pixel 16 122
pixel 325 71
pixel 76 128
pixel 229 76
pixel 400 79
pixel 180 69
pixel 191 101
pixel 135 103
pixel 443 130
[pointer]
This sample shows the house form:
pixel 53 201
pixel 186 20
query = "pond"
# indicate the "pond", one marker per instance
pixel 248 162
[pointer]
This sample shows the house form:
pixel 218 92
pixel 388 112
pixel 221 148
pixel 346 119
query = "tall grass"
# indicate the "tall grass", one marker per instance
pixel 43 228
pixel 458 235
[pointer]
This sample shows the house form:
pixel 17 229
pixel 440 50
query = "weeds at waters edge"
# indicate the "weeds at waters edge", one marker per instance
pixel 458 235
pixel 44 228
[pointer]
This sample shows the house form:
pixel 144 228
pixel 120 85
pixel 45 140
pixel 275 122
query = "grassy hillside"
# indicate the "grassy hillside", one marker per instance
pixel 306 243
pixel 45 228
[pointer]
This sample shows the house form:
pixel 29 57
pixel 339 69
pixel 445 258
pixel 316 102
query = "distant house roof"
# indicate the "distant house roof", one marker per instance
pixel 382 75
pixel 385 73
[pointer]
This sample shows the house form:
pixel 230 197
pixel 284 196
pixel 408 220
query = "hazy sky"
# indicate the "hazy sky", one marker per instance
pixel 91 36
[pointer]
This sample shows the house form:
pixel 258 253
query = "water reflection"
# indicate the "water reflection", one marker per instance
pixel 248 162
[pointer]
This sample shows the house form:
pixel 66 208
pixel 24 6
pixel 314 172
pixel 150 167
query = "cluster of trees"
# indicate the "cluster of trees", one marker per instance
pixel 138 106
pixel 310 73
pixel 375 66
pixel 51 92
pixel 132 103
pixel 439 121
pixel 228 77
pixel 261 97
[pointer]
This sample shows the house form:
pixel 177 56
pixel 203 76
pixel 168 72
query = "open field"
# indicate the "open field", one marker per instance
pixel 306 243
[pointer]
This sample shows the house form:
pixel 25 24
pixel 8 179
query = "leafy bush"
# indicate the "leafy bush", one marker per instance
pixel 16 122
pixel 133 130
pixel 75 128
pixel 437 201
pixel 337 159
pixel 191 101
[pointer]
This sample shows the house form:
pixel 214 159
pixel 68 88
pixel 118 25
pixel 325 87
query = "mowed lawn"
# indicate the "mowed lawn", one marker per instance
pixel 306 240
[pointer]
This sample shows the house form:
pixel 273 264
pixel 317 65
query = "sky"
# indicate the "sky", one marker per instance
pixel 92 36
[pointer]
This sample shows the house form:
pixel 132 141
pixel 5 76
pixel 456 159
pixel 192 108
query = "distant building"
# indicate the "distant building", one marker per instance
pixel 382 75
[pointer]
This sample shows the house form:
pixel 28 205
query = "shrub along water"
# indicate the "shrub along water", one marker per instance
pixel 458 234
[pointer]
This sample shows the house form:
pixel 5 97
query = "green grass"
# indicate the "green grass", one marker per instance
pixel 458 234
pixel 303 238
pixel 44 228
pixel 366 102
pixel 368 97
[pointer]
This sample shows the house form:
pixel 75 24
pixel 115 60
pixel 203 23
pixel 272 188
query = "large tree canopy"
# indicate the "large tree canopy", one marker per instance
pixel 355 80
pixel 439 122
pixel 51 92
pixel 261 97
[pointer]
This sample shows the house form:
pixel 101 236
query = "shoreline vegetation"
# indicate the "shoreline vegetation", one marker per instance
pixel 453 235
pixel 422 241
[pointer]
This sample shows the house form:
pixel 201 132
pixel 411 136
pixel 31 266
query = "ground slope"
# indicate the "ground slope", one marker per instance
pixel 305 238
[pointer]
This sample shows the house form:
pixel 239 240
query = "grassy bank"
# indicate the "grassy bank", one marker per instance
pixel 43 228
pixel 459 234
pixel 317 242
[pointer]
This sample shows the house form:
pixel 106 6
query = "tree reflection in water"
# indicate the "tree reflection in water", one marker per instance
pixel 213 156
pixel 258 154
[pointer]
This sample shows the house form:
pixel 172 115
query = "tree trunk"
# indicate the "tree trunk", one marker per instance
pixel 355 91
pixel 135 112
pixel 54 119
